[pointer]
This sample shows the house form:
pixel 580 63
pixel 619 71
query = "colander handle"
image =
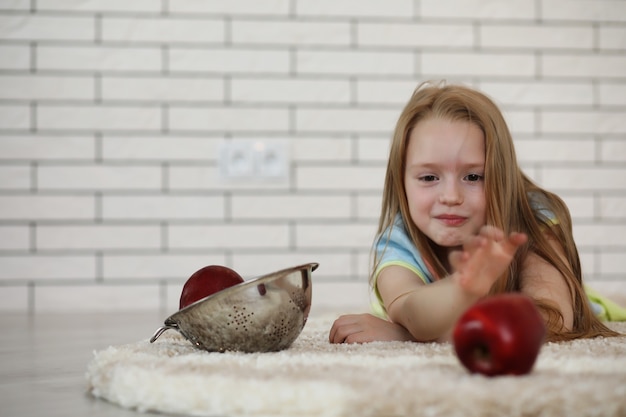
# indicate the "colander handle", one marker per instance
pixel 160 331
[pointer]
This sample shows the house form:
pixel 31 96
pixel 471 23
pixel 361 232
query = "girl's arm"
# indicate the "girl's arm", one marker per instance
pixel 426 311
pixel 422 312
pixel 429 312
pixel 542 281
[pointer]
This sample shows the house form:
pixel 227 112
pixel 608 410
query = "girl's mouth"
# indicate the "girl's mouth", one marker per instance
pixel 451 220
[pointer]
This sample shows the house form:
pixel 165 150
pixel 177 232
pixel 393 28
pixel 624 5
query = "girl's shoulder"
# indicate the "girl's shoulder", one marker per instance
pixel 540 203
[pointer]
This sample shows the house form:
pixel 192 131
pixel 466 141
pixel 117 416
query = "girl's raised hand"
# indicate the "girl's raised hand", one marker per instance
pixel 484 258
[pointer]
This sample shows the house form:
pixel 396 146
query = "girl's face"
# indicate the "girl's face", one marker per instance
pixel 444 180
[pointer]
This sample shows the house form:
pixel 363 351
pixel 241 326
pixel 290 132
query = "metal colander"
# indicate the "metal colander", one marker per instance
pixel 263 314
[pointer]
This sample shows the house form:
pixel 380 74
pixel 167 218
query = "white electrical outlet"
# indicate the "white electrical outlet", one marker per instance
pixel 253 159
pixel 236 160
pixel 270 159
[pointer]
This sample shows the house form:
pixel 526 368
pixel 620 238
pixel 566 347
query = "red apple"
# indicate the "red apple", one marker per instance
pixel 500 335
pixel 207 281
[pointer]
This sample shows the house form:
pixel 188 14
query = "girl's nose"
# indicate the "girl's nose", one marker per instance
pixel 451 194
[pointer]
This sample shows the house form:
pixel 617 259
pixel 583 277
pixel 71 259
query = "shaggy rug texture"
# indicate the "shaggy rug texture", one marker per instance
pixel 315 378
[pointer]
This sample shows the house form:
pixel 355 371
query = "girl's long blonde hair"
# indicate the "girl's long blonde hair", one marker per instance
pixel 508 205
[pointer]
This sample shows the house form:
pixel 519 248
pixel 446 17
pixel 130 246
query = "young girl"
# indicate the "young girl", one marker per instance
pixel 461 221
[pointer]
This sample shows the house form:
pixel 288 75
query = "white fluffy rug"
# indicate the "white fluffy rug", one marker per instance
pixel 315 378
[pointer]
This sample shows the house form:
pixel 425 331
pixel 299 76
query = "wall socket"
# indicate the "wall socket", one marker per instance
pixel 253 159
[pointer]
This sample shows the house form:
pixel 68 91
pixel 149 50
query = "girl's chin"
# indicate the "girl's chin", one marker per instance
pixel 450 242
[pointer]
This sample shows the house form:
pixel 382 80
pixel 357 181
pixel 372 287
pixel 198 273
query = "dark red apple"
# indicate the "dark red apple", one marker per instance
pixel 207 281
pixel 500 335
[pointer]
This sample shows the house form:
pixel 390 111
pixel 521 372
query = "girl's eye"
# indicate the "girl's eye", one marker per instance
pixel 428 178
pixel 474 177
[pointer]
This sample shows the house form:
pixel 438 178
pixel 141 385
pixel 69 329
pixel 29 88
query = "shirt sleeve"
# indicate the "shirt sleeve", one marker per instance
pixel 394 247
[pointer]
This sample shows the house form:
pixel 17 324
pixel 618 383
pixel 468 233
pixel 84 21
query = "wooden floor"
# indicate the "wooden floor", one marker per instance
pixel 43 359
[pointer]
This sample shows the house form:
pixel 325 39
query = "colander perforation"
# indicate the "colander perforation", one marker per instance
pixel 240 318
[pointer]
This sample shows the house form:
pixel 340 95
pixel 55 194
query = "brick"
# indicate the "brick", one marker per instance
pixel 583 10
pixel 163 29
pixel 99 58
pixel 163 89
pixel 91 237
pixel 97 298
pixel 612 207
pixel 43 207
pixel 172 296
pixel 44 147
pixel 589 122
pixel 580 207
pixel 355 62
pixel 346 120
pixel 536 37
pixel 347 297
pixel 15 177
pixel 346 8
pixel 39 87
pixel 242 7
pixel 415 34
pixel 539 93
pixel 373 149
pixel 551 150
pixel 157 266
pixel 363 266
pixel 357 235
pixel 295 206
pixel 603 235
pixel 612 38
pixel 98 177
pixel 16 5
pixel 14 299
pixel 219 119
pixel 612 94
pixel 15 116
pixel 228 60
pixel 613 263
pixel 466 64
pixel 348 178
pixel 519 121
pixel 533 171
pixel 160 148
pixel 385 91
pixel 15 57
pixel 98 117
pixel 321 148
pixel 613 150
pixel 202 178
pixel 229 236
pixel 585 177
pixel 35 267
pixel 292 90
pixel 588 263
pixel 368 206
pixel 281 32
pixel 162 207
pixel 146 6
pixel 478 9
pixel 585 66
pixel 333 263
pixel 46 28
pixel 14 238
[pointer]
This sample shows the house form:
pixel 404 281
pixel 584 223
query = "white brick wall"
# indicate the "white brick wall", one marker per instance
pixel 111 114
